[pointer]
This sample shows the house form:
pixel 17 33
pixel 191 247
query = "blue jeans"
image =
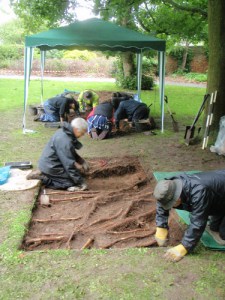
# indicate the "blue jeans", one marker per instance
pixel 51 113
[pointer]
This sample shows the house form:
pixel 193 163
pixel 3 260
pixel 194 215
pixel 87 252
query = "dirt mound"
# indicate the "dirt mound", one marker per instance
pixel 104 96
pixel 118 211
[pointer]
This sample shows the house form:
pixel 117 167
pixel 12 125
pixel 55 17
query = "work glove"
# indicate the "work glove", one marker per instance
pixel 176 253
pixel 85 166
pixel 161 236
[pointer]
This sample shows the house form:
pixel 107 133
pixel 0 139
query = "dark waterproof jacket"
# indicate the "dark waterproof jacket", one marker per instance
pixel 59 155
pixel 203 195
pixel 127 109
pixel 61 104
pixel 104 109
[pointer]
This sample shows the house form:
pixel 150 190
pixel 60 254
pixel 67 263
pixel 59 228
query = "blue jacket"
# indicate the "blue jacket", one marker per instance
pixel 127 109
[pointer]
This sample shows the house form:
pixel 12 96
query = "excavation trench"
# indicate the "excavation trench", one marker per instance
pixel 118 211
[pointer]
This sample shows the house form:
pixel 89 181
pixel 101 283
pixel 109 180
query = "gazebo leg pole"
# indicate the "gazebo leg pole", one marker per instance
pixel 42 75
pixel 162 85
pixel 139 74
pixel 28 56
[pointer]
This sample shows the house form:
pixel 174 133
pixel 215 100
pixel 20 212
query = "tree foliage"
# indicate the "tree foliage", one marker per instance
pixel 11 42
pixel 39 13
pixel 12 33
pixel 171 23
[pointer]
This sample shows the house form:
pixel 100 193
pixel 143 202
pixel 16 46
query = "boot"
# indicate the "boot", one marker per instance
pixel 103 134
pixel 94 134
pixel 36 174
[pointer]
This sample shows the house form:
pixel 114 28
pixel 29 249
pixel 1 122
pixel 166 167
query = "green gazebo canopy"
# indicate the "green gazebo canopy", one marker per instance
pixel 94 34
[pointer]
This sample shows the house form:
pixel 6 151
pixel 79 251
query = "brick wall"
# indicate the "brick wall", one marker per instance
pixel 198 64
pixel 171 65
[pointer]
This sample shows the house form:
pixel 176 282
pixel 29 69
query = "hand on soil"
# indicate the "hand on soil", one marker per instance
pixel 175 254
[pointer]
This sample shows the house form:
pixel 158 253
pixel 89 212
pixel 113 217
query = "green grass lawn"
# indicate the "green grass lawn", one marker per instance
pixel 99 274
pixel 184 101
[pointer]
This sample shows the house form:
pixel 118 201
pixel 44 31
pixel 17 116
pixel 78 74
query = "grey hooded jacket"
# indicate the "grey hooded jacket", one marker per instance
pixel 59 155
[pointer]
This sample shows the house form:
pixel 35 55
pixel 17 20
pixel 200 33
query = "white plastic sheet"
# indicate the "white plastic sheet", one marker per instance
pixel 219 146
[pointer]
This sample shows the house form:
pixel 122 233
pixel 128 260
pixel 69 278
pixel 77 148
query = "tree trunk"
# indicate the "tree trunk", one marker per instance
pixel 127 57
pixel 216 70
pixel 128 63
pixel 184 58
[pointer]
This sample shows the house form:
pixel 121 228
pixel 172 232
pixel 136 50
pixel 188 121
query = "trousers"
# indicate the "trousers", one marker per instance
pixel 57 183
pixel 217 223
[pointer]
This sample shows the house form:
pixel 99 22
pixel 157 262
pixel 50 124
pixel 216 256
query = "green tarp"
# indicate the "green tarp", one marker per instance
pixel 207 240
pixel 94 34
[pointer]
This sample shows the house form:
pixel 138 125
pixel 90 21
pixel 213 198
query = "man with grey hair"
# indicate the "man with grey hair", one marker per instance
pixel 57 164
pixel 203 195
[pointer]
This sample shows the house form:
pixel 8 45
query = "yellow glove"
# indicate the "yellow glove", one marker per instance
pixel 176 253
pixel 161 236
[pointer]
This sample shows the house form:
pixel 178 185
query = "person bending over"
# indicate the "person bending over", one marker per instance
pixel 57 164
pixel 203 195
pixel 131 110
pixel 100 121
pixel 88 100
pixel 57 108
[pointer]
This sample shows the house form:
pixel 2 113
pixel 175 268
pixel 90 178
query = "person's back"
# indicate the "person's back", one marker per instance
pixel 129 106
pixel 131 110
pixel 56 109
pixel 59 159
pixel 208 184
pixel 203 195
pixel 61 103
pixel 104 109
pixel 57 149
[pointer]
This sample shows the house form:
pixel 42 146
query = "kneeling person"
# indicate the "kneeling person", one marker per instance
pixel 57 108
pixel 57 162
pixel 131 110
pixel 100 121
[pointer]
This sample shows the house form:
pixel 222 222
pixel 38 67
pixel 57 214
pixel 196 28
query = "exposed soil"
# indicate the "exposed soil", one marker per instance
pixel 118 211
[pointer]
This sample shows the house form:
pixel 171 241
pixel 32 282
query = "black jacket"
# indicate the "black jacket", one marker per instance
pixel 61 104
pixel 203 195
pixel 127 109
pixel 59 155
pixel 104 109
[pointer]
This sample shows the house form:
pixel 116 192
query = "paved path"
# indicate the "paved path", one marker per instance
pixel 95 79
pixel 189 84
pixel 79 79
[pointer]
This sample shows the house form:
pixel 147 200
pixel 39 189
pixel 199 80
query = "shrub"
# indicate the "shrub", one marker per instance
pixel 5 64
pixel 130 82
pixel 77 55
pixel 200 77
pixel 11 52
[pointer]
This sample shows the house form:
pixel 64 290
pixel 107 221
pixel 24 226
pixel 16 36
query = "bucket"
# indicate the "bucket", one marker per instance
pixel 4 174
